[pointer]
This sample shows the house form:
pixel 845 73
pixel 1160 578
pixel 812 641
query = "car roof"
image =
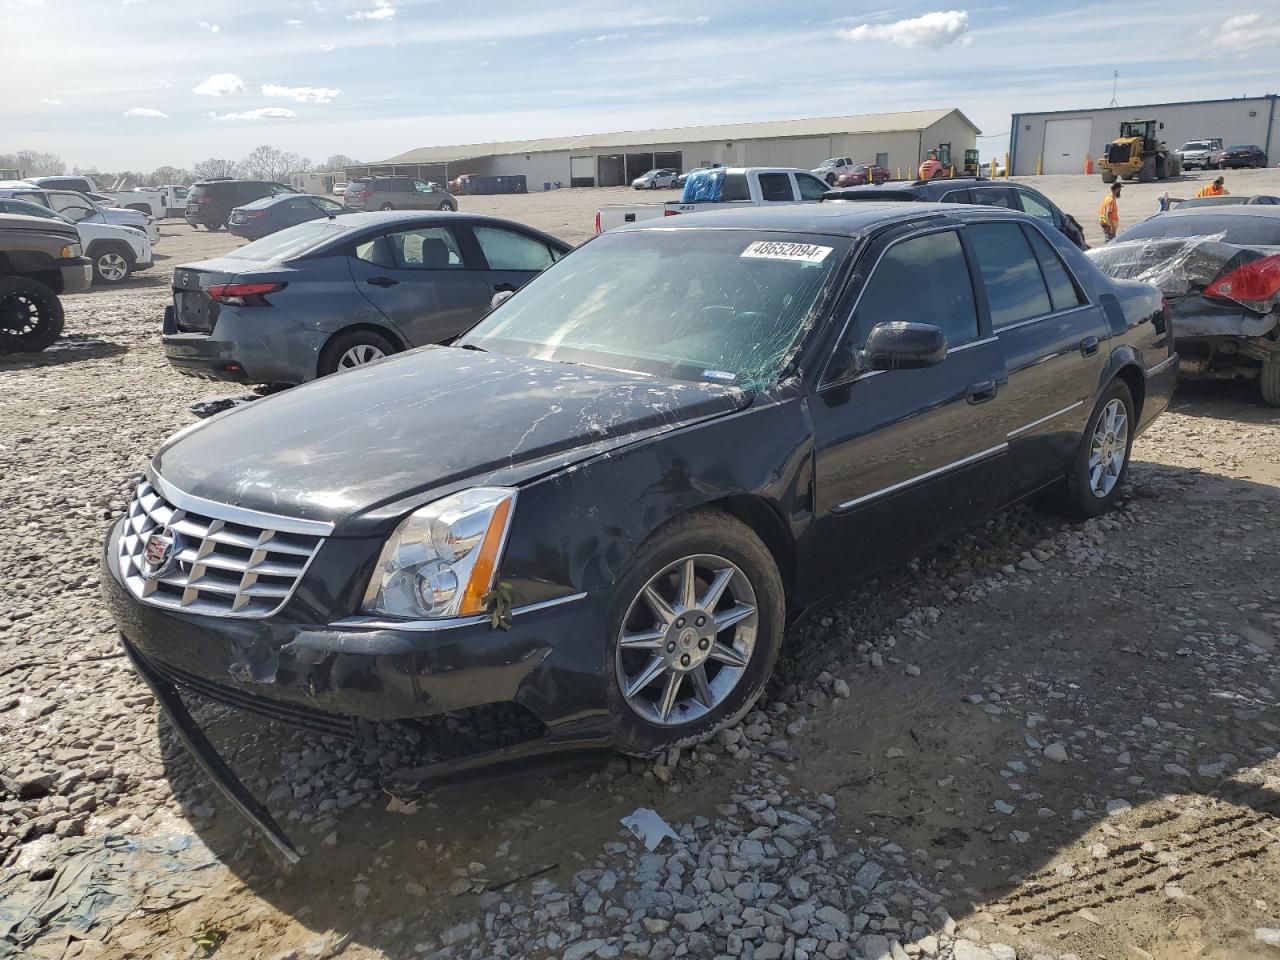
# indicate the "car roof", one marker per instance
pixel 1226 210
pixel 845 220
pixel 373 218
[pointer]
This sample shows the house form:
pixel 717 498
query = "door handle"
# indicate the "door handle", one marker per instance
pixel 1089 346
pixel 982 391
pixel 382 281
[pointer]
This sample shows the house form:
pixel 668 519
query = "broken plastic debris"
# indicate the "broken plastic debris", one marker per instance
pixel 649 828
pixel 396 805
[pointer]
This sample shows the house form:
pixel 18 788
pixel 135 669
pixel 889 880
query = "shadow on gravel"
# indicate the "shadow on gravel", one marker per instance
pixel 72 348
pixel 1113 691
pixel 1224 401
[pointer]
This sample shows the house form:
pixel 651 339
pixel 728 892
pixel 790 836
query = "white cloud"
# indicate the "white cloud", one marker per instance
pixel 602 38
pixel 30 3
pixel 52 103
pixel 301 94
pixel 328 47
pixel 219 85
pixel 211 27
pixel 262 113
pixel 670 22
pixel 382 10
pixel 1246 31
pixel 146 112
pixel 932 30
pixel 294 23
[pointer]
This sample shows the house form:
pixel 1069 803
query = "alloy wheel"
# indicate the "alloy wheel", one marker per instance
pixel 359 355
pixel 1108 449
pixel 113 267
pixel 686 640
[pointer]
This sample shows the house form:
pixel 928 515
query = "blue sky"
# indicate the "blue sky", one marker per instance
pixel 138 83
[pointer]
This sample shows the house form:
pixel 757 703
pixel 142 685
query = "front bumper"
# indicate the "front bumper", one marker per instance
pixel 323 676
pixel 77 274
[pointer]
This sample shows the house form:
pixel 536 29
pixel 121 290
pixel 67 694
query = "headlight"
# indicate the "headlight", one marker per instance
pixel 443 558
pixel 72 251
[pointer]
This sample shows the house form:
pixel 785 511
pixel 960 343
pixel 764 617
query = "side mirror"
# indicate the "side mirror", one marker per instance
pixel 903 346
pixel 499 298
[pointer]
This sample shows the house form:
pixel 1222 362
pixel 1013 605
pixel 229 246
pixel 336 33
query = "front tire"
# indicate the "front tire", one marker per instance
pixel 112 264
pixel 1101 462
pixel 448 207
pixel 31 316
pixel 353 348
pixel 695 628
pixel 387 206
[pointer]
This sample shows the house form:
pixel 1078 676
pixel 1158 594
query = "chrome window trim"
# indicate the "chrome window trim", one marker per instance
pixel 1044 316
pixel 1152 371
pixel 844 328
pixel 971 344
pixel 927 475
pixel 1035 423
pixel 233 514
pixel 447 623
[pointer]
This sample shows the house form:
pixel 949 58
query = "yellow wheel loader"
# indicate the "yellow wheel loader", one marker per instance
pixel 1137 154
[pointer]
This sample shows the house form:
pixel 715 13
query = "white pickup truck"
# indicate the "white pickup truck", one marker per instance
pixel 724 188
pixel 153 203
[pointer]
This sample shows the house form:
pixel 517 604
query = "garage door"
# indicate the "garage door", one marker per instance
pixel 582 171
pixel 1065 144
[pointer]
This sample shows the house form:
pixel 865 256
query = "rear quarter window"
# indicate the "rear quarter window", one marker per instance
pixel 1243 230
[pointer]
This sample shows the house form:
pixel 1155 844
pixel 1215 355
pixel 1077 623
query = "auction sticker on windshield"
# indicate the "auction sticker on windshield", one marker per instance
pixel 780 250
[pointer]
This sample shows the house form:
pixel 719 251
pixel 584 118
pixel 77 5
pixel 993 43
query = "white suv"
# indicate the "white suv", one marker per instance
pixel 828 170
pixel 1200 153
pixel 115 251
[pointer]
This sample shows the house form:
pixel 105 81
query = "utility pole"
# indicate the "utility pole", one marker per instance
pixel 1115 82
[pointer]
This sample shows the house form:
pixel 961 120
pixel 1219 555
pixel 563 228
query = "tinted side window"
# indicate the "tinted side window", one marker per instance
pixel 1062 291
pixel 994 197
pixel 508 250
pixel 775 187
pixel 922 280
pixel 1038 208
pixel 423 248
pixel 957 196
pixel 811 188
pixel 1015 288
pixel 735 187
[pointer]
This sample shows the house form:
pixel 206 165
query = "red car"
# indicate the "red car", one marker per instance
pixel 862 173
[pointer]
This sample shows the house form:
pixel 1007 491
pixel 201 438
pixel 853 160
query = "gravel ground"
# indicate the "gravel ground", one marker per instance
pixel 1044 740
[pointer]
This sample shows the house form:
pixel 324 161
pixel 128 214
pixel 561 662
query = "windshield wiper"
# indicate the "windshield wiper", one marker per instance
pixel 472 346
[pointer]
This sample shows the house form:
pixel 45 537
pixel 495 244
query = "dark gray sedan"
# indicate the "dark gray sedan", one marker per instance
pixel 266 216
pixel 336 293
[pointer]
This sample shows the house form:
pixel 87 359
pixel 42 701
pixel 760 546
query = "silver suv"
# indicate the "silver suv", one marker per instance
pixel 397 193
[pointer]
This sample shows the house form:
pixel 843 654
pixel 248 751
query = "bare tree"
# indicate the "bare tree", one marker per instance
pixel 272 163
pixel 167 174
pixel 34 163
pixel 339 161
pixel 208 169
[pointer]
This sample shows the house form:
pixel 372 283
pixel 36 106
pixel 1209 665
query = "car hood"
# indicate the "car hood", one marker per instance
pixel 363 447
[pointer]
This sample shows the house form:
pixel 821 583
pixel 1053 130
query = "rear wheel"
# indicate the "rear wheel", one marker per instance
pixel 695 628
pixel 112 263
pixel 448 206
pixel 1269 382
pixel 1147 172
pixel 387 206
pixel 30 315
pixel 353 348
pixel 1101 462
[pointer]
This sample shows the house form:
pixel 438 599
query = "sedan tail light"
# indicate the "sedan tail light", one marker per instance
pixel 204 200
pixel 252 214
pixel 671 213
pixel 1257 281
pixel 244 294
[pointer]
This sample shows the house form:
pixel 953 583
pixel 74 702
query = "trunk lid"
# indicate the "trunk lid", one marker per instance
pixel 194 311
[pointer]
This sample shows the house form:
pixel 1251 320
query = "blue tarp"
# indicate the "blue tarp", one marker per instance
pixel 704 186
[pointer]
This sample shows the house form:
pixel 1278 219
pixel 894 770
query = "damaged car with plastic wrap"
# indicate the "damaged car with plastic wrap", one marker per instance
pixel 604 502
pixel 1219 268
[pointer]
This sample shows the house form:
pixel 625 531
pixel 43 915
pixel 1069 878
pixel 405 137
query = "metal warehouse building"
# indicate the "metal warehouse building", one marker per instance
pixel 613 159
pixel 1063 137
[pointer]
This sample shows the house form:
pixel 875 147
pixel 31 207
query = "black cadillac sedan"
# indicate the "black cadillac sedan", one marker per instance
pixel 605 500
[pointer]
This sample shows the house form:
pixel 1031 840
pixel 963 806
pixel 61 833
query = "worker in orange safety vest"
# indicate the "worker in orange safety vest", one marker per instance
pixel 1109 212
pixel 1215 189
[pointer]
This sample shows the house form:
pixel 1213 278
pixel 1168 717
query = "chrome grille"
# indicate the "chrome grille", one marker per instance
pixel 228 565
